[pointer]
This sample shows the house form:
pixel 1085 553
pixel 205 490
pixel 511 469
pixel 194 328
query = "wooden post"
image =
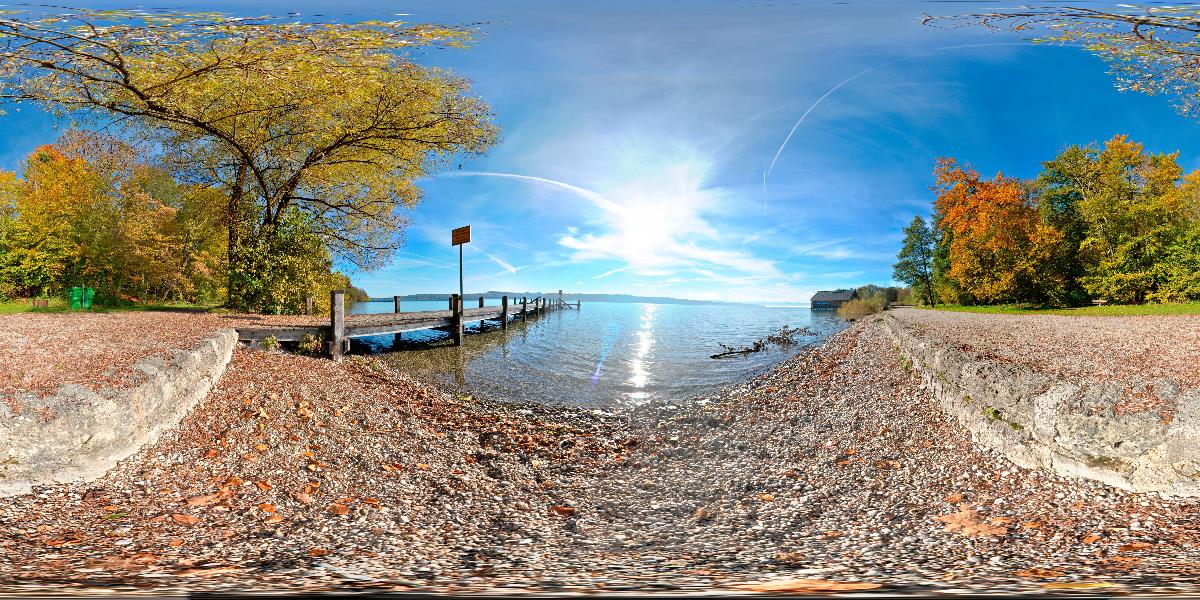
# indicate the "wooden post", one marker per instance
pixel 481 301
pixel 503 312
pixel 451 302
pixel 396 309
pixel 560 300
pixel 524 308
pixel 456 325
pixel 308 304
pixel 337 323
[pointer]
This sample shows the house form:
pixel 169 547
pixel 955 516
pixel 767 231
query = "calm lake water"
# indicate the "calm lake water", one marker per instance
pixel 603 354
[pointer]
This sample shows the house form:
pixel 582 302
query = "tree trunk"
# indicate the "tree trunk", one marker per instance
pixel 233 289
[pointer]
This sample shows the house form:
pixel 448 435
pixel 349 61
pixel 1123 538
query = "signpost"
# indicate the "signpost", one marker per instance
pixel 458 237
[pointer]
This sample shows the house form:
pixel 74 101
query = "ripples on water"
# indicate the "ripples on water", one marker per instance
pixel 603 354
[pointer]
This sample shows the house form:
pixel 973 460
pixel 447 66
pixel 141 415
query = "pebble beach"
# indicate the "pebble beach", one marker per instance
pixel 835 471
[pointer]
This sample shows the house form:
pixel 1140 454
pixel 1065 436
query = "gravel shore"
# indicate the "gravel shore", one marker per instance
pixel 834 471
pixel 1072 348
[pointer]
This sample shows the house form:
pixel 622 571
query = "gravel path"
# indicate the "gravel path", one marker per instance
pixel 835 471
pixel 42 351
pixel 1074 348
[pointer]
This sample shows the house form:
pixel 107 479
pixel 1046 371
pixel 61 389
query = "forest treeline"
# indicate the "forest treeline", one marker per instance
pixel 86 210
pixel 1107 222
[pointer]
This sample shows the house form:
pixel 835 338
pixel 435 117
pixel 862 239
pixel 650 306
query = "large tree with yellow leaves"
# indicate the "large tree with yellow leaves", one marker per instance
pixel 317 129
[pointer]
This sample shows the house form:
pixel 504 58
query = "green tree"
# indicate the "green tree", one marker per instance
pixel 1124 208
pixel 322 125
pixel 914 264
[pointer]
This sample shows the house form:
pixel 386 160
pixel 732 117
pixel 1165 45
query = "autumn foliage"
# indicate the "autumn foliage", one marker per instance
pixel 1113 223
pixel 998 245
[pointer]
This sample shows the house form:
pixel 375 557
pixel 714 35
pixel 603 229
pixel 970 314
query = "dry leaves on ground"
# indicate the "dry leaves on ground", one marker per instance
pixel 967 522
pixel 802 586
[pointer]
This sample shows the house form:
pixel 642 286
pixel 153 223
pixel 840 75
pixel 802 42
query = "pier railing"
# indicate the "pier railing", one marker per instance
pixel 342 327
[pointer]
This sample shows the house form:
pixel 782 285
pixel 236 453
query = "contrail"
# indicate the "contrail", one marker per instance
pixel 596 199
pixel 856 76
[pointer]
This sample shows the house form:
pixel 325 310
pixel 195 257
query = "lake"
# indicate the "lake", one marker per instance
pixel 602 354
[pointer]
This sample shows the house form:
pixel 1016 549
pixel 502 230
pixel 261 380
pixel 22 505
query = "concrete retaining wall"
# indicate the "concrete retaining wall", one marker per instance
pixel 1073 429
pixel 87 432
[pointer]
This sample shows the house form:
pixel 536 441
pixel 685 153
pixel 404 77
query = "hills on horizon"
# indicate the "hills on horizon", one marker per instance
pixel 569 297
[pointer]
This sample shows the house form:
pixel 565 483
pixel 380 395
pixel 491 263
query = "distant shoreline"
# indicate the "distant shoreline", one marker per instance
pixel 617 298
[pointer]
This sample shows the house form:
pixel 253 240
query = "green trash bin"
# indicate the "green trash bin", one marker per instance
pixel 76 297
pixel 88 294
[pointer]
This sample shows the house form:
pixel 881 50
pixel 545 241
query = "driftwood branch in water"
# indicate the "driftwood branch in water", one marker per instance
pixel 785 337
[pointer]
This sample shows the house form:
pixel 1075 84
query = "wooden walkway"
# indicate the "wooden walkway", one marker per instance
pixel 342 327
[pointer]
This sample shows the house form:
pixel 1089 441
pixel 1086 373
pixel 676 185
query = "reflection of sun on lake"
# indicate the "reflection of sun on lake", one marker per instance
pixel 604 353
pixel 639 365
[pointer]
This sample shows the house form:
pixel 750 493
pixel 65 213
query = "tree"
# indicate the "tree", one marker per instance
pixel 87 211
pixel 1122 209
pixel 914 264
pixel 1150 49
pixel 325 125
pixel 999 249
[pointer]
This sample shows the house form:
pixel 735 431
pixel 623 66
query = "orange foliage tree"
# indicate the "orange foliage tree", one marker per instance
pixel 999 248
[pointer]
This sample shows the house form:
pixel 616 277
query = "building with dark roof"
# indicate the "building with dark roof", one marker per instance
pixel 831 300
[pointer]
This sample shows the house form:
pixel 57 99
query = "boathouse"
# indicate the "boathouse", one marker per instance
pixel 831 300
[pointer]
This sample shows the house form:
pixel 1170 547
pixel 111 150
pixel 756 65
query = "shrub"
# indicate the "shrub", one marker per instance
pixel 312 344
pixel 861 307
pixel 270 343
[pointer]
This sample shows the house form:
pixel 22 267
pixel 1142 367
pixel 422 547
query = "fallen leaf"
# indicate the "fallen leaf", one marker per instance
pixel 303 498
pixel 207 571
pixel 954 498
pixel 267 508
pixel 766 497
pixel 1091 538
pixel 1078 585
pixel 1122 562
pixel 966 521
pixel 851 452
pixel 371 501
pixel 175 543
pixel 185 519
pixel 423 466
pixel 808 585
pixel 1032 525
pixel 261 447
pixel 315 552
pixel 339 509
pixel 263 485
pixel 203 500
pixel 1039 572
pixel 1134 546
pixel 563 511
pixel 275 518
pixel 144 558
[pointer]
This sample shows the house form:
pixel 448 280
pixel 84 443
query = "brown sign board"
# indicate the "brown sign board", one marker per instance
pixel 461 235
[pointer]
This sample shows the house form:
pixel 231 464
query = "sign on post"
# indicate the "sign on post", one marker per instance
pixel 458 237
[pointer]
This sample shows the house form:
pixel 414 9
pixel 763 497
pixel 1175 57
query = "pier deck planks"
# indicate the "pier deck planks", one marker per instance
pixel 383 323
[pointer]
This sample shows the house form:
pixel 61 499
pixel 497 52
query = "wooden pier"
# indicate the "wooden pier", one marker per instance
pixel 343 327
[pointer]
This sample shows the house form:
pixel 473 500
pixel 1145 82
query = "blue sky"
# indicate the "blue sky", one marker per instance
pixel 636 136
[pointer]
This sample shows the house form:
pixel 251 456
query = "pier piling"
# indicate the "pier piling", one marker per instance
pixel 337 324
pixel 456 325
